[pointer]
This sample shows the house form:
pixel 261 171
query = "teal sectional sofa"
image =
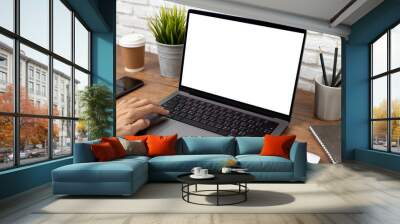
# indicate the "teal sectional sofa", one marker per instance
pixel 125 176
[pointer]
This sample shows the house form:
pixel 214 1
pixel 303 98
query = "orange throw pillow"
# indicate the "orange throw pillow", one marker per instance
pixel 277 145
pixel 116 145
pixel 103 152
pixel 161 145
pixel 135 138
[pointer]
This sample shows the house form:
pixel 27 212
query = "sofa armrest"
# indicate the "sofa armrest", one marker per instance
pixel 83 152
pixel 298 155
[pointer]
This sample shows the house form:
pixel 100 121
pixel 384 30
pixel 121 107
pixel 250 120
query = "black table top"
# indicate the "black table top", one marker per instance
pixel 220 178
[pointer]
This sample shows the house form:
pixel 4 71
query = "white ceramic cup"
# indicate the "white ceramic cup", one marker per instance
pixel 196 171
pixel 203 172
pixel 226 170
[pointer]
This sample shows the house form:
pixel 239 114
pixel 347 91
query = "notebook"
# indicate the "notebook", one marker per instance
pixel 328 137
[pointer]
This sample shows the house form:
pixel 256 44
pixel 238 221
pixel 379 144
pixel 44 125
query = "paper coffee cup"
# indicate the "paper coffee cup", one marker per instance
pixel 133 52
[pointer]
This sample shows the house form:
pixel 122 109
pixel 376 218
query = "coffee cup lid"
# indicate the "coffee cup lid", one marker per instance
pixel 132 40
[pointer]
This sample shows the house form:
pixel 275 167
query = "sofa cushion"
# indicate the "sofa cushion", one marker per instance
pixel 257 163
pixel 83 152
pixel 185 163
pixel 134 147
pixel 161 145
pixel 116 145
pixel 206 145
pixel 249 145
pixel 112 171
pixel 103 152
pixel 132 158
pixel 277 145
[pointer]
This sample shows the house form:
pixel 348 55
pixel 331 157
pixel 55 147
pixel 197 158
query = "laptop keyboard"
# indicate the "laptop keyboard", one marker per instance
pixel 217 119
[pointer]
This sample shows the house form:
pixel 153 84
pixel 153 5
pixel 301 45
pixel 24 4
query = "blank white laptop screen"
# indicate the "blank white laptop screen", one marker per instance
pixel 252 64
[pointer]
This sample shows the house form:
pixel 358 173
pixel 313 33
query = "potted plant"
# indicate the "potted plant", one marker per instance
pixel 96 102
pixel 168 28
pixel 328 92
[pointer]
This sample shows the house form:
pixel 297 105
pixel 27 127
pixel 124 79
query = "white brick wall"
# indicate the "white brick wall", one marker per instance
pixel 311 65
pixel 132 17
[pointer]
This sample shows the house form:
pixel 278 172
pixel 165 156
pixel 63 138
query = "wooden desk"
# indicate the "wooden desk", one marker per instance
pixel 157 87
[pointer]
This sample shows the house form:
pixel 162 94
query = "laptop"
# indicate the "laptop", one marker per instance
pixel 238 78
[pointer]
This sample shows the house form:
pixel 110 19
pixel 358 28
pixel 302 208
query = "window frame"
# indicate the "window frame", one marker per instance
pixel 16 114
pixel 388 74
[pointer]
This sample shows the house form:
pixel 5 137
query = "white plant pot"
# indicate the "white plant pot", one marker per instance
pixel 170 58
pixel 327 101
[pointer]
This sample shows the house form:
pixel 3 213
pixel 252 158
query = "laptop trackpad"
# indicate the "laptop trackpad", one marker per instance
pixel 170 127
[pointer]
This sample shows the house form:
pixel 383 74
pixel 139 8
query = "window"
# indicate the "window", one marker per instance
pixel 40 62
pixel 81 81
pixel 34 128
pixel 3 78
pixel 3 61
pixel 6 142
pixel 30 87
pixel 62 74
pixel 38 74
pixel 55 100
pixel 34 21
pixel 3 72
pixel 385 94
pixel 43 90
pixel 395 47
pixel 33 149
pixel 62 137
pixel 81 45
pixel 37 89
pixel 379 56
pixel 7 14
pixel 30 72
pixel 62 30
pixel 6 73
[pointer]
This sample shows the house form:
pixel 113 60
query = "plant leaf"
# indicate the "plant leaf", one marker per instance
pixel 169 25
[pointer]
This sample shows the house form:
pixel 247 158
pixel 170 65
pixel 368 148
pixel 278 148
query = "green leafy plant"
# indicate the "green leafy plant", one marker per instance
pixel 96 102
pixel 168 26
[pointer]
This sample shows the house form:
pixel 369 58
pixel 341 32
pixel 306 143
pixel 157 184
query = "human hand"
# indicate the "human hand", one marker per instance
pixel 131 115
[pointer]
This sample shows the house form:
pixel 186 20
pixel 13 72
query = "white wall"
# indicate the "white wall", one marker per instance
pixel 132 17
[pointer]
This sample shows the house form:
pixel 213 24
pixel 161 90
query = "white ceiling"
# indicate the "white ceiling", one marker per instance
pixel 319 9
pixel 312 15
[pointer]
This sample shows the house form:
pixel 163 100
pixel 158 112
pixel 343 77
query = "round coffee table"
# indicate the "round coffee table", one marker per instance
pixel 238 179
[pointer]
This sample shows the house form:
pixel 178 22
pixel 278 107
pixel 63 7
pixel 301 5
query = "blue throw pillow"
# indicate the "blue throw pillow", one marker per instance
pixel 207 145
pixel 249 145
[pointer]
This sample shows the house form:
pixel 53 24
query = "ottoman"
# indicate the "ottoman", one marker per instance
pixel 118 177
